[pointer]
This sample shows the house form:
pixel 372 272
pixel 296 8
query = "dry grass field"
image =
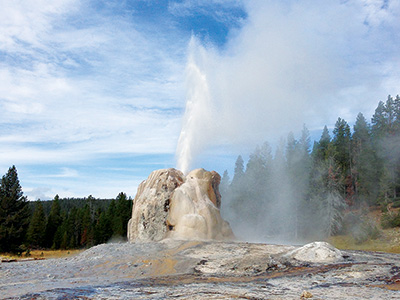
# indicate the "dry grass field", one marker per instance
pixel 41 254
pixel 388 240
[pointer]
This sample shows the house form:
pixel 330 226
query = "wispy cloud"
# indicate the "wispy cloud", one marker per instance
pixel 84 76
pixel 78 82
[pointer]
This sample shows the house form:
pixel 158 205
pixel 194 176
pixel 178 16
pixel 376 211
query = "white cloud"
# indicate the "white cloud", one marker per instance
pixel 79 84
pixel 222 11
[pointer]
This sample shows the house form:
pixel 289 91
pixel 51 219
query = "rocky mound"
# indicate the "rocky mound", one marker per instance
pixel 316 252
pixel 171 205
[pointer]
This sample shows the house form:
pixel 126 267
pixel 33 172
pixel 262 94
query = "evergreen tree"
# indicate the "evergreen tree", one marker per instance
pixel 254 185
pixel 328 198
pixel 386 140
pixel 103 230
pixel 290 149
pixel 61 230
pixel 239 170
pixel 37 227
pixel 396 107
pixel 124 213
pixel 53 222
pixel 73 229
pixel 225 182
pixel 14 213
pixel 379 123
pixel 280 207
pixel 299 169
pixel 365 163
pixel 341 143
pixel 237 189
pixel 342 149
pixel 87 227
pixel 322 149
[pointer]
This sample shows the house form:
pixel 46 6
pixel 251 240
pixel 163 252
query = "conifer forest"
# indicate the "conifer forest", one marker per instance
pixel 304 191
pixel 298 191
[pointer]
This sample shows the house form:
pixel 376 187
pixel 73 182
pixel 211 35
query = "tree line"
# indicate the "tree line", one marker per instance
pixel 58 224
pixel 303 191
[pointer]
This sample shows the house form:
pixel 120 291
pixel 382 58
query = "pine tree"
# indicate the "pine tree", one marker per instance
pixel 87 227
pixel 342 154
pixel 239 170
pixel 280 219
pixel 225 182
pixel 103 231
pixel 37 227
pixel 386 140
pixel 379 122
pixel 254 184
pixel 328 198
pixel 238 199
pixel 115 220
pixel 53 222
pixel 365 164
pixel 341 143
pixel 322 149
pixel 124 212
pixel 14 213
pixel 59 235
pixel 299 170
pixel 73 229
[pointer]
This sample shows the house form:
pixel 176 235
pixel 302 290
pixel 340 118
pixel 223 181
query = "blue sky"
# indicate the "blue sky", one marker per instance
pixel 93 93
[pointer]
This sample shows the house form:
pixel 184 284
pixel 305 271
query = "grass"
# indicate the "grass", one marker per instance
pixel 42 254
pixel 388 242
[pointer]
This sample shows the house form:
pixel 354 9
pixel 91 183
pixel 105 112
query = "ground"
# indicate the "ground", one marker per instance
pixel 204 269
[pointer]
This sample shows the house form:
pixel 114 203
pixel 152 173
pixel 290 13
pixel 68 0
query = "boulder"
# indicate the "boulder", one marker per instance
pixel 171 205
pixel 316 252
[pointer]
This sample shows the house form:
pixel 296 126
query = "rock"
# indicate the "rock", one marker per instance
pixel 151 205
pixel 316 252
pixel 170 205
pixel 306 295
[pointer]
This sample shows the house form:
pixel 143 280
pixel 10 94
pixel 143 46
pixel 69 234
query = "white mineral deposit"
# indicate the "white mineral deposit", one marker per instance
pixel 171 205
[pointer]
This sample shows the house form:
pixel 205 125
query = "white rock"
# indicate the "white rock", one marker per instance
pixel 316 252
pixel 170 205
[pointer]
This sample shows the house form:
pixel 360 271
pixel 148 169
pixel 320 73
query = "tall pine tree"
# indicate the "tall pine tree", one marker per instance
pixel 37 227
pixel 365 165
pixel 14 213
pixel 53 222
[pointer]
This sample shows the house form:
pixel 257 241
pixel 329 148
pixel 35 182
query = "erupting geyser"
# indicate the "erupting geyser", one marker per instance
pixel 171 205
pixel 198 117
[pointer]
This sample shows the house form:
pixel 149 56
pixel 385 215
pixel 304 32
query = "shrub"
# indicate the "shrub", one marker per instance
pixel 390 220
pixel 360 227
pixel 396 204
pixel 365 230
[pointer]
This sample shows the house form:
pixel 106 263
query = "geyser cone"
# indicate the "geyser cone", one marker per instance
pixel 171 205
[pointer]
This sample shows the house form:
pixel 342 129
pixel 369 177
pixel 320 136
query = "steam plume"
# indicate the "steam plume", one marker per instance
pixel 291 63
pixel 198 113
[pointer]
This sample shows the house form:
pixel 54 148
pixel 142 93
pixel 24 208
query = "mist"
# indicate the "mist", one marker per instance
pixel 292 63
